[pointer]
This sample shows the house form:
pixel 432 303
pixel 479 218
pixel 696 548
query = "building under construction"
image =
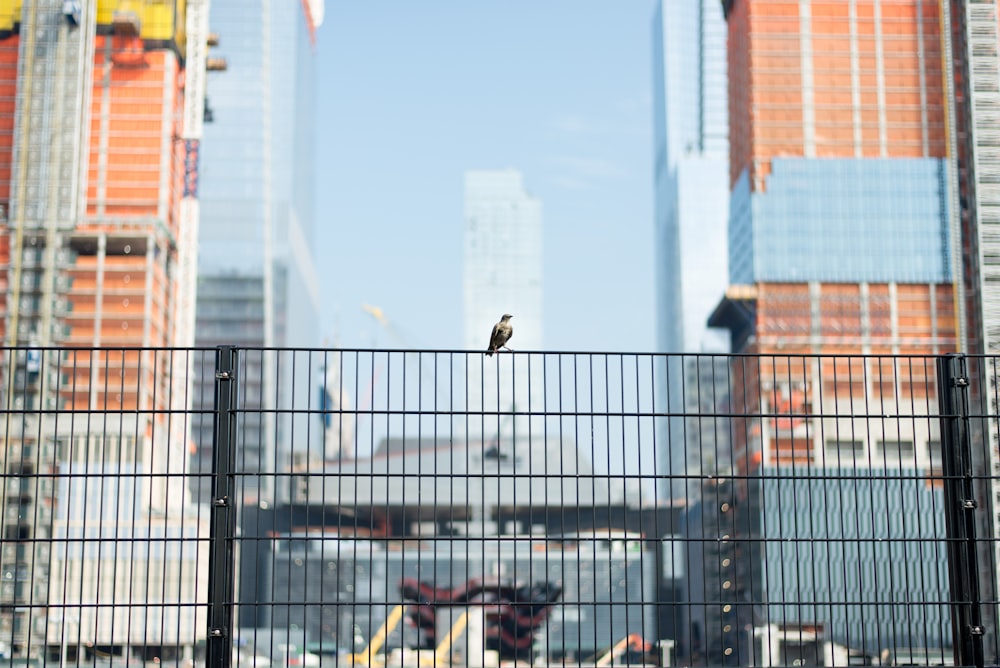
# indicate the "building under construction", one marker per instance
pixel 101 112
pixel 817 415
pixel 841 226
pixel 843 239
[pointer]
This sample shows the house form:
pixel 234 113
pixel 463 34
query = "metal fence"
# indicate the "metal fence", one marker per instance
pixel 255 507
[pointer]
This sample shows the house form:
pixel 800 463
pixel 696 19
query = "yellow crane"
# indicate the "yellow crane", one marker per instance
pixel 398 340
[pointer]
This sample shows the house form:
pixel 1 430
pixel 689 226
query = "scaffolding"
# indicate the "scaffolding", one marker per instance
pixel 52 92
pixel 99 131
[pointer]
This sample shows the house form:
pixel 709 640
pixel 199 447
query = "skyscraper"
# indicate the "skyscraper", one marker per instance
pixel 502 274
pixel 690 122
pixel 825 190
pixel 98 157
pixel 257 282
pixel 840 242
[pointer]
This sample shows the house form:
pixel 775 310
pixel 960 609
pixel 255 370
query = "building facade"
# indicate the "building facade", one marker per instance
pixel 456 518
pixel 502 273
pixel 257 282
pixel 840 237
pixel 841 242
pixel 690 122
pixel 98 187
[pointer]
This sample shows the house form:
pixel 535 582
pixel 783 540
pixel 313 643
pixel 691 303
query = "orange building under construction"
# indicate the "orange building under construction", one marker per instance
pixel 92 230
pixel 845 268
pixel 825 79
pixel 836 349
pixel 101 111
pixel 842 233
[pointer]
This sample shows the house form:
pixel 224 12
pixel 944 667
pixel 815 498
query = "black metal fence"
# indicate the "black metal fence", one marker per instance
pixel 248 507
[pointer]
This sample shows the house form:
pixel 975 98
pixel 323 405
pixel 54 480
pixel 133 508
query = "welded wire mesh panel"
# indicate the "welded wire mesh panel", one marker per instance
pixel 406 507
pixel 840 520
pixel 412 507
pixel 452 505
pixel 103 556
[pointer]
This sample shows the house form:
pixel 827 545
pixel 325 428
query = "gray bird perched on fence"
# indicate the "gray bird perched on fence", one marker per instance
pixel 502 331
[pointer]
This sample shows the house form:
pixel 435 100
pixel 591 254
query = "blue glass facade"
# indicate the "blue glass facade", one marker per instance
pixel 234 170
pixel 842 220
pixel 257 280
pixel 856 554
pixel 850 547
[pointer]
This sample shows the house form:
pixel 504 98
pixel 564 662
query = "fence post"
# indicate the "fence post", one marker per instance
pixel 960 506
pixel 221 551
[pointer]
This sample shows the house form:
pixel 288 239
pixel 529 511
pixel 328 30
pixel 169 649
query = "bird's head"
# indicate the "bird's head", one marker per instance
pixel 506 317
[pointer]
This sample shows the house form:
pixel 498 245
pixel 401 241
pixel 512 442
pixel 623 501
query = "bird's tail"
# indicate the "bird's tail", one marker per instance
pixel 489 353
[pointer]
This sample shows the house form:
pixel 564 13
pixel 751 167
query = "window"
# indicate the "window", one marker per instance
pixel 844 452
pixel 899 453
pixel 18 532
pixel 23 469
pixel 934 454
pixel 128 449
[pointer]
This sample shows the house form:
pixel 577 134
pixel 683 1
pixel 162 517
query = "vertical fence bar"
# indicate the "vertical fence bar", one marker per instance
pixel 221 554
pixel 960 504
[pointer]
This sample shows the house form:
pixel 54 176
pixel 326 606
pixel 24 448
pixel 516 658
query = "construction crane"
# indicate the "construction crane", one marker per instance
pixel 378 314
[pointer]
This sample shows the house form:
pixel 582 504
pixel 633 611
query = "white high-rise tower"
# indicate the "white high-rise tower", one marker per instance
pixel 502 274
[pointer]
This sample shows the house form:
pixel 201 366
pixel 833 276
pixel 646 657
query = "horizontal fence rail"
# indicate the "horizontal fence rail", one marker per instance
pixel 275 507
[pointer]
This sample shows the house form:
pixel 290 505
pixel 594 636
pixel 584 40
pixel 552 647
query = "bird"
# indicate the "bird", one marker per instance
pixel 502 331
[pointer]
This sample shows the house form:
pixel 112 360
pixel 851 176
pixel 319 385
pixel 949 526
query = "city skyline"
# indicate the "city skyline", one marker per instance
pixel 810 178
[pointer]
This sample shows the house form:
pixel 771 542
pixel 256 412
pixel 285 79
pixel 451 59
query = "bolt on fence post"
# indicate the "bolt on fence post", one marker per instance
pixel 960 506
pixel 221 551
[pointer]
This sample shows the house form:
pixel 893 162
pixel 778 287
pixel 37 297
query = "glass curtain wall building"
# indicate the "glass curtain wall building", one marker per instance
pixel 257 284
pixel 690 121
pixel 875 220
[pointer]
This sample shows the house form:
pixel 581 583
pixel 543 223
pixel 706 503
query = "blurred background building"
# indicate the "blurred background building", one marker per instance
pixel 691 144
pixel 99 139
pixel 257 283
pixel 502 274
pixel 458 516
pixel 842 240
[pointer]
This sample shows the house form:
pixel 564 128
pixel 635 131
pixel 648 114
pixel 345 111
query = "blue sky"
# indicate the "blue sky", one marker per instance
pixel 412 94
